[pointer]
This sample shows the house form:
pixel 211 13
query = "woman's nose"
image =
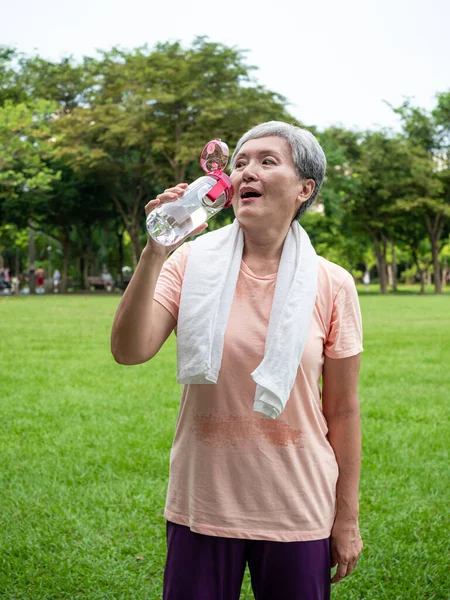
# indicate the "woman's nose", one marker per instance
pixel 249 172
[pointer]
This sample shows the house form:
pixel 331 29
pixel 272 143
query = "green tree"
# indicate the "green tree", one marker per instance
pixel 25 145
pixel 65 83
pixel 329 227
pixel 13 247
pixel 151 112
pixel 342 148
pixel 368 205
pixel 393 176
pixel 69 206
pixel 445 259
pixel 430 133
pixel 11 87
pixel 70 212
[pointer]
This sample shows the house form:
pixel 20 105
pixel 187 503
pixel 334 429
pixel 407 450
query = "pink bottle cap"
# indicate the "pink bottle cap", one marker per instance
pixel 214 156
pixel 213 160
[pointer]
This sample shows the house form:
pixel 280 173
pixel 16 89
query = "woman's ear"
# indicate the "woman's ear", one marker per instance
pixel 305 192
pixel 306 189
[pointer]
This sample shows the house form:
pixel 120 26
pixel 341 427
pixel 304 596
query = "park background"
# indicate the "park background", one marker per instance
pixel 85 141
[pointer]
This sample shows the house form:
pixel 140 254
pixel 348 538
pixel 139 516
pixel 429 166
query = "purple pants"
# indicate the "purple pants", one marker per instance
pixel 203 567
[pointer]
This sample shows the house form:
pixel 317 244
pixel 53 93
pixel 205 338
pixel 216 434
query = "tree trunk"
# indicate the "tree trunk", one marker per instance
pixel 394 267
pixel 85 263
pixel 31 259
pixel 85 276
pixel 66 256
pixel 132 222
pixel 390 275
pixel 380 253
pixel 103 250
pixel 121 257
pixel 436 265
pixel 420 270
pixel 422 281
pixel 434 232
pixel 17 263
pixel 84 272
pixel 180 173
pixel 134 231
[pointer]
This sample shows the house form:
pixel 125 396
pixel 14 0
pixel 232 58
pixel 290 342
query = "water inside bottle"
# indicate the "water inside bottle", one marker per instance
pixel 171 223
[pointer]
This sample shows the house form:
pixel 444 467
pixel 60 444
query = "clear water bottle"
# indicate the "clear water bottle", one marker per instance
pixel 204 198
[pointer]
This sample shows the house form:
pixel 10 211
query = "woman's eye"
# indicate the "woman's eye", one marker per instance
pixel 238 164
pixel 269 161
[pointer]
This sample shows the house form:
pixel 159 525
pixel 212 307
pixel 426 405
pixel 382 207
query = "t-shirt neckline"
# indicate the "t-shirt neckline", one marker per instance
pixel 246 269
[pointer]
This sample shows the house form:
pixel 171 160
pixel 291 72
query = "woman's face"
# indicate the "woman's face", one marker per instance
pixel 266 187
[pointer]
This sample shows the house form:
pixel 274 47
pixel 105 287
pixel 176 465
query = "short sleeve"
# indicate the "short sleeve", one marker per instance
pixel 170 280
pixel 345 331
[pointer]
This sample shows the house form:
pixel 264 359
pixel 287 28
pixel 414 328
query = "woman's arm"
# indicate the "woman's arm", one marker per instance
pixel 141 325
pixel 340 406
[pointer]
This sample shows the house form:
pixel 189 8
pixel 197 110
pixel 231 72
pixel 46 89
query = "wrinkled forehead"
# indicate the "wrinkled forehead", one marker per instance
pixel 273 144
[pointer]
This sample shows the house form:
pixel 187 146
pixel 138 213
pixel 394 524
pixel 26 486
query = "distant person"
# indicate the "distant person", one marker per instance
pixel 264 467
pixel 56 281
pixel 25 279
pixel 366 279
pixel 40 280
pixel 24 283
pixel 108 280
pixel 15 284
pixel 5 281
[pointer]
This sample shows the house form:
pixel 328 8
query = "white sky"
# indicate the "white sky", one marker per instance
pixel 335 61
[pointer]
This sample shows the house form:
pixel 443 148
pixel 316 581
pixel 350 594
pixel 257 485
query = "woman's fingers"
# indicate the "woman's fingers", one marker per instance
pixel 196 231
pixel 151 206
pixel 346 547
pixel 199 229
pixel 173 192
pixel 340 573
pixel 344 570
pixel 169 195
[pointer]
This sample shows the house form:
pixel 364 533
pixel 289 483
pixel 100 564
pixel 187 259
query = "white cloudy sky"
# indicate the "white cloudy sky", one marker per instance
pixel 335 61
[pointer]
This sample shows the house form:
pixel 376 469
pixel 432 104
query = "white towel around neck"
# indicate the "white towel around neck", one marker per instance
pixel 207 293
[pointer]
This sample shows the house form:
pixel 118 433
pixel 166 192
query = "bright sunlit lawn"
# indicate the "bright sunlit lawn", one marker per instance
pixel 84 453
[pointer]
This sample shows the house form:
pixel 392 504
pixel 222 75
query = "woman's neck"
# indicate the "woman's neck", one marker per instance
pixel 263 252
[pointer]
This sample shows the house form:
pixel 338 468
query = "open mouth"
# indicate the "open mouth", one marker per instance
pixel 248 194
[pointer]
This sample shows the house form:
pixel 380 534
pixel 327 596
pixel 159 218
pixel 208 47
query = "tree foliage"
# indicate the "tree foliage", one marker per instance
pixel 429 134
pixel 149 114
pixel 25 148
pixel 84 145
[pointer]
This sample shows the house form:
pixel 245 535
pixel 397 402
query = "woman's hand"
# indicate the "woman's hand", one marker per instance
pixel 169 195
pixel 346 546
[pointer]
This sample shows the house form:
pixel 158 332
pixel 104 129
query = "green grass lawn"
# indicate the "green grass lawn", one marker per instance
pixel 84 452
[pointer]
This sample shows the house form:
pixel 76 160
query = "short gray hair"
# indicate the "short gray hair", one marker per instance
pixel 309 158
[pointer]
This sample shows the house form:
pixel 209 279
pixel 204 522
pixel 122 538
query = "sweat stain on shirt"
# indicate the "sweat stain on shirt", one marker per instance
pixel 237 429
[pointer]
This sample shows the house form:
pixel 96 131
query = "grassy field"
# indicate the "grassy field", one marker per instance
pixel 84 450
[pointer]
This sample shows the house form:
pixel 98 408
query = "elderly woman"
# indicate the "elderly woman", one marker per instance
pixel 265 462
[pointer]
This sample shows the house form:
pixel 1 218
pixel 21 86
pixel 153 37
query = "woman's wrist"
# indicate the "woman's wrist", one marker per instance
pixel 346 522
pixel 151 254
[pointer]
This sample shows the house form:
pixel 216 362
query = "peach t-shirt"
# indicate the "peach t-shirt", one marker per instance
pixel 234 473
